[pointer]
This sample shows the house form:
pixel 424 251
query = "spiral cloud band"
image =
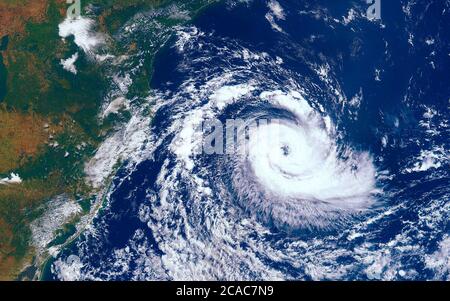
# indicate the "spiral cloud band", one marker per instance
pixel 273 145
pixel 290 173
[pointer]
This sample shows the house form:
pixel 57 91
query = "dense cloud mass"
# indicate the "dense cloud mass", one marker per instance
pixel 343 170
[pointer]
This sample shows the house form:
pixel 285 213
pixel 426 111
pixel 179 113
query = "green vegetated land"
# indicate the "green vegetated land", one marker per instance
pixel 49 125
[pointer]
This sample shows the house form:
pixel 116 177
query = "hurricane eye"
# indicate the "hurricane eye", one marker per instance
pixel 285 149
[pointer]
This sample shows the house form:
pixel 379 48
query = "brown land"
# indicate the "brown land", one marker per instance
pixel 22 136
pixel 15 13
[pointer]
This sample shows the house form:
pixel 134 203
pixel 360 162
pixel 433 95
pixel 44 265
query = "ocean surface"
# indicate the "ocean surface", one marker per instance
pixel 355 184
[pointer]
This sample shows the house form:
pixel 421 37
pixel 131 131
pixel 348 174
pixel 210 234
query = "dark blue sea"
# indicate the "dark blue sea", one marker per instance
pixel 364 102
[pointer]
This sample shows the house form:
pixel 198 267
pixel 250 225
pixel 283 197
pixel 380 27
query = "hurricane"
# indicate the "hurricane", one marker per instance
pixel 279 141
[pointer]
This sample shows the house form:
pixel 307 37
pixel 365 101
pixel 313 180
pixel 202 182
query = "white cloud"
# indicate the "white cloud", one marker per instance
pixel 276 12
pixel 81 28
pixel 12 179
pixel 69 64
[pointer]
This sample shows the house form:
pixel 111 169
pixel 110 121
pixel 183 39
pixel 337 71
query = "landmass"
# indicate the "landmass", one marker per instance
pixel 50 122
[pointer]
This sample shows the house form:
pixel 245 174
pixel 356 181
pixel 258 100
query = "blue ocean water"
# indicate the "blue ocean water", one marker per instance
pixel 384 85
